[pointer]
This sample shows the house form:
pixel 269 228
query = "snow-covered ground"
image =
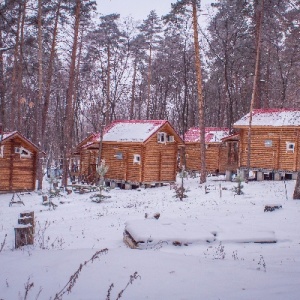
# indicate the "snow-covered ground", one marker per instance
pixel 229 266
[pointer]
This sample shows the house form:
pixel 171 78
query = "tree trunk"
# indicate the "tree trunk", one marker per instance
pixel 131 114
pixel 77 99
pixel 2 86
pixel 107 88
pixel 20 68
pixel 259 12
pixel 254 89
pixel 69 114
pixel 14 82
pixel 49 76
pixel 296 194
pixel 149 83
pixel 40 96
pixel 200 95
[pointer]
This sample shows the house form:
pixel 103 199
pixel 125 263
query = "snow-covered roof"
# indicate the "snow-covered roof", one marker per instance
pixel 212 134
pixel 130 130
pixel 6 135
pixel 271 117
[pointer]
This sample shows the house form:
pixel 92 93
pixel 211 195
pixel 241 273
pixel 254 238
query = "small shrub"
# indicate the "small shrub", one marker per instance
pixel 262 264
pixel 238 190
pixel 220 252
pixel 180 191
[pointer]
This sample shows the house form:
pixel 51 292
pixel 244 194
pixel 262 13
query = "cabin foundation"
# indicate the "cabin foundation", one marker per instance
pixel 128 186
pixel 277 176
pixel 228 175
pixel 242 174
pixel 260 176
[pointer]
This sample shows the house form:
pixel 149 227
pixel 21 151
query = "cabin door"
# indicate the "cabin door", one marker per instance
pixel 168 165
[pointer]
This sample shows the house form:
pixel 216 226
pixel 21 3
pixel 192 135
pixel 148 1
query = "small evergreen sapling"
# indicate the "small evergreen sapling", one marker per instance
pixel 238 189
pixel 180 190
pixel 101 171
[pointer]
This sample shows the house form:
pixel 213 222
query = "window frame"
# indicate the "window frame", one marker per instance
pixel 268 143
pixel 137 159
pixel 161 135
pixel 290 149
pixel 1 151
pixel 163 138
pixel 119 155
pixel 25 155
pixel 20 151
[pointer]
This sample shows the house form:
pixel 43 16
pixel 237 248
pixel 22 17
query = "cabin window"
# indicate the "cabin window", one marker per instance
pixel 290 147
pixel 170 138
pixel 163 137
pixel 136 159
pixel 268 143
pixel 18 150
pixel 24 153
pixel 2 151
pixel 119 155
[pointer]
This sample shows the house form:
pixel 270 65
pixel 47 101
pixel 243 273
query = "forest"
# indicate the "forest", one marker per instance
pixel 66 70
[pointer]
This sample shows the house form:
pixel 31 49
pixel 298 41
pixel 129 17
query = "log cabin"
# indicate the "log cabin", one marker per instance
pixel 217 152
pixel 275 144
pixel 18 163
pixel 137 152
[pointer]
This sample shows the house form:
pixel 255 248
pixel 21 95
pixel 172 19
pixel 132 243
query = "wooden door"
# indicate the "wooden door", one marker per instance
pixel 168 164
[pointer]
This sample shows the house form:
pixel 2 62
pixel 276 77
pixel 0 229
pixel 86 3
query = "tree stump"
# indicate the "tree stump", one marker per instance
pixel 27 217
pixel 45 199
pixel 27 214
pixel 23 235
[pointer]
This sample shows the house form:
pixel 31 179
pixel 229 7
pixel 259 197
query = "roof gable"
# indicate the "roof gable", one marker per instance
pixel 212 134
pixel 7 135
pixel 10 135
pixel 271 117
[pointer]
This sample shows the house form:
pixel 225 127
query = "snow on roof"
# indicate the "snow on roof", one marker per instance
pixel 130 130
pixel 271 117
pixel 212 134
pixel 231 137
pixel 6 135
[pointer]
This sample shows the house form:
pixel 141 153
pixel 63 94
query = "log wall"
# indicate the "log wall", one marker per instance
pixel 216 157
pixel 160 161
pixel 17 173
pixel 274 157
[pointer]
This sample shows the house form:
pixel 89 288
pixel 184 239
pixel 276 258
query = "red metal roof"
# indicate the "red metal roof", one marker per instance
pixel 212 134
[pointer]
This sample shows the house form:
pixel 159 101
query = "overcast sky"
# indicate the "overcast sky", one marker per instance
pixel 138 9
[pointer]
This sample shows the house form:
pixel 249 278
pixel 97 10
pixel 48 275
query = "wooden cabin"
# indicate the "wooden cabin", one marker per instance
pixel 136 152
pixel 217 152
pixel 275 143
pixel 18 163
